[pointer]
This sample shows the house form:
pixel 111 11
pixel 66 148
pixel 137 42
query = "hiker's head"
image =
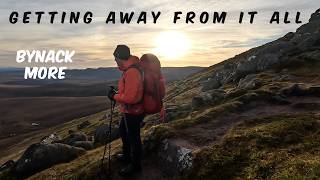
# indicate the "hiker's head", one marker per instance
pixel 121 54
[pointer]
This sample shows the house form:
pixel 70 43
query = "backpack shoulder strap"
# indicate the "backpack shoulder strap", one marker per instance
pixel 142 77
pixel 138 68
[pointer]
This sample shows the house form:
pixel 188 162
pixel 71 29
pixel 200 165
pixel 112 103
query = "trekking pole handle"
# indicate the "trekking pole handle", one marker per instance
pixel 112 88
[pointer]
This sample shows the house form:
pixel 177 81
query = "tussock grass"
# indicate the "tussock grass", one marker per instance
pixel 276 147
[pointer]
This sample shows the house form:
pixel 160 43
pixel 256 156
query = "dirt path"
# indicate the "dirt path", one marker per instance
pixel 212 132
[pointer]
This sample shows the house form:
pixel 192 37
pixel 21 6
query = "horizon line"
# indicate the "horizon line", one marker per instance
pixel 106 67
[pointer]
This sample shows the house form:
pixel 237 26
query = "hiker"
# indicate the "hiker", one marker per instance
pixel 140 92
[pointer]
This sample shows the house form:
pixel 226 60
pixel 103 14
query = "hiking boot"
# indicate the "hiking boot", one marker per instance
pixel 130 170
pixel 123 158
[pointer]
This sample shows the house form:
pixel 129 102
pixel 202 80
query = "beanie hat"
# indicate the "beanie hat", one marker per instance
pixel 122 52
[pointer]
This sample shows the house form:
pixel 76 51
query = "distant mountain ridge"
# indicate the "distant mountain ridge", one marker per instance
pixel 15 75
pixel 78 82
pixel 9 69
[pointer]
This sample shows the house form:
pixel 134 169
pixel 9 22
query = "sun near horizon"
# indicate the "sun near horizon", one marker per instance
pixel 172 45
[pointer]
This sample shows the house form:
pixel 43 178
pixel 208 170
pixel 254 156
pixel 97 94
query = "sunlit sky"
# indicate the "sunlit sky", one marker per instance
pixel 176 44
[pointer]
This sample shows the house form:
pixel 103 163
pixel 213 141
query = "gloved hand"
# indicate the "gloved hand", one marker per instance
pixel 111 93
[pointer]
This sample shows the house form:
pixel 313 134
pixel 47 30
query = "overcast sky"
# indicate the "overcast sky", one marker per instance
pixel 94 43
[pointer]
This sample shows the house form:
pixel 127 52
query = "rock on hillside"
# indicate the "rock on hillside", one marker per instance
pixel 304 43
pixel 40 156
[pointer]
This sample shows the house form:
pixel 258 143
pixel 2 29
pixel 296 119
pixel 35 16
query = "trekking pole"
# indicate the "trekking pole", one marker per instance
pixel 113 103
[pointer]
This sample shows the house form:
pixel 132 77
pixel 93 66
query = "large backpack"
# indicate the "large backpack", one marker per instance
pixel 150 68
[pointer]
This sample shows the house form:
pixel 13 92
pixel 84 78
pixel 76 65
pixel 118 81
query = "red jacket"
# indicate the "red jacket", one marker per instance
pixel 130 88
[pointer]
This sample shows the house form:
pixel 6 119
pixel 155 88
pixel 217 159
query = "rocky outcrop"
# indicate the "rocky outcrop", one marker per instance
pixel 52 138
pixel 249 82
pixel 171 157
pixel 87 145
pixel 174 158
pixel 101 134
pixel 211 83
pixel 41 156
pixel 74 137
pixel 207 98
pixel 177 111
pixel 312 26
pixel 198 102
pixel 304 43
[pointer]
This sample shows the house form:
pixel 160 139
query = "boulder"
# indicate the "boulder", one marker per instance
pixel 267 60
pixel 209 97
pixel 101 134
pixel 246 66
pixel 175 111
pixel 249 82
pixel 309 42
pixel 174 158
pixel 238 74
pixel 261 59
pixel 52 138
pixel 212 97
pixel 38 157
pixel 211 83
pixel 153 138
pixel 277 48
pixel 79 136
pixel 198 102
pixel 87 145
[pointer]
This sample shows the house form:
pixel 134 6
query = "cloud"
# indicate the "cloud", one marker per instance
pixel 94 43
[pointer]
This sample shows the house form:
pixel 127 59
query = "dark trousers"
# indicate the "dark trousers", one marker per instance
pixel 131 141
